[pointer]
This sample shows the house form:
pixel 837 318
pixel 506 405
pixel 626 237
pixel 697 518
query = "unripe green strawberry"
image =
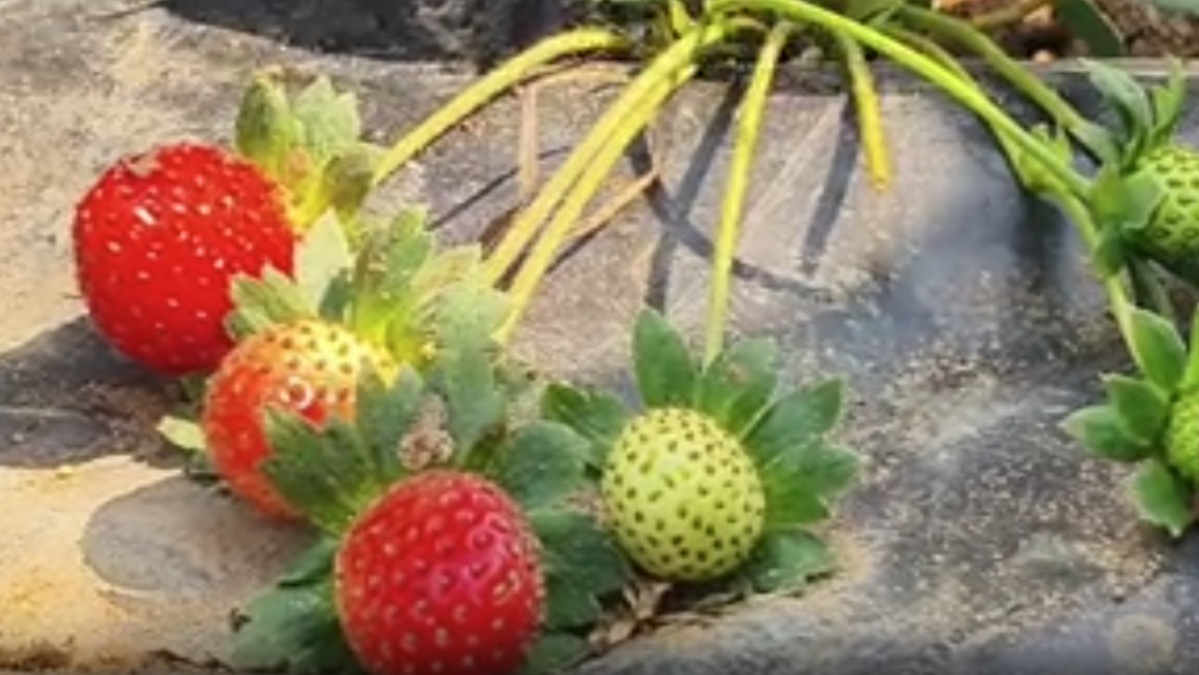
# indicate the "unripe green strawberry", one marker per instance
pixel 1182 437
pixel 1172 236
pixel 683 498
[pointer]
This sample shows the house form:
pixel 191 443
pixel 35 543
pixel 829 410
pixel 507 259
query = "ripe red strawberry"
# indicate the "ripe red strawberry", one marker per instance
pixel 441 576
pixel 309 367
pixel 158 239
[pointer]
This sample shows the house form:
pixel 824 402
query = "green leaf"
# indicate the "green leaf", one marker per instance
pixel 322 256
pixel 1102 432
pixel 1190 376
pixel 265 128
pixel 555 652
pixel 785 560
pixel 666 370
pixel 1163 498
pixel 293 628
pixel 347 181
pixel 1126 96
pixel 1168 103
pixel 596 415
pixel 1157 348
pixel 1087 23
pixel 541 464
pixel 581 563
pixel 1121 203
pixel 388 261
pixel 1111 254
pixel 464 372
pixel 314 565
pixel 182 433
pixel 329 121
pixel 261 302
pixel 330 475
pixel 1141 407
pixel 738 384
pixel 803 480
pixel 795 419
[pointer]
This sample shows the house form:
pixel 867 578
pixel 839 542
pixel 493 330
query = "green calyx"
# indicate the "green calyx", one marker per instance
pixel 1151 420
pixel 728 409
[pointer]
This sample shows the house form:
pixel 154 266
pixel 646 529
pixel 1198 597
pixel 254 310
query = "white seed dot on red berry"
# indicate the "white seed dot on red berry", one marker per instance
pixel 497 624
pixel 436 666
pixel 458 613
pixel 441 637
pixel 409 643
pixel 497 656
pixel 468 662
pixel 472 640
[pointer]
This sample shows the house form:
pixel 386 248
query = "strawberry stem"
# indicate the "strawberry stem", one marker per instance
pixel 870 123
pixel 512 72
pixel 733 207
pixel 592 160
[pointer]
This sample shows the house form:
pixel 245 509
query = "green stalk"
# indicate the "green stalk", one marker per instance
pixel 870 123
pixel 507 75
pixel 599 153
pixel 1089 134
pixel 970 97
pixel 733 208
pixel 525 224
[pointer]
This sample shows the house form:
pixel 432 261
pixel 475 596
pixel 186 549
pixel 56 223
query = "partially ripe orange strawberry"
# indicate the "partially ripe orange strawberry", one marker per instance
pixel 157 241
pixel 441 576
pixel 309 367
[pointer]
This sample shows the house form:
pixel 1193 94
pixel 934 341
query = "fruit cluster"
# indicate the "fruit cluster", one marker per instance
pixel 348 376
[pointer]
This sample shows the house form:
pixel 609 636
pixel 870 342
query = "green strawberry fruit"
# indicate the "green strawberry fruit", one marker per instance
pixel 1182 437
pixel 1172 236
pixel 682 496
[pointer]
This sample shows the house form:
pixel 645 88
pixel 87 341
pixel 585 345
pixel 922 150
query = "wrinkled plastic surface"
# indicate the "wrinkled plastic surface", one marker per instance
pixel 979 539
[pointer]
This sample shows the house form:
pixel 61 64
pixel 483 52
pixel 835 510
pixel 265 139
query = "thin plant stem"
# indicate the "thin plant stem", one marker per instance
pixel 732 214
pixel 525 225
pixel 969 96
pixel 501 79
pixel 1008 14
pixel 637 107
pixel 867 106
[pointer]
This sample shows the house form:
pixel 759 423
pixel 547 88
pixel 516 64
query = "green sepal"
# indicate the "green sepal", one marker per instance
pixel 1157 348
pixel 582 567
pixel 1143 409
pixel 1128 100
pixel 1163 498
pixel 1111 253
pixel 329 121
pixel 796 418
pixel 802 481
pixel 293 627
pixel 666 370
pixel 1101 430
pixel 786 560
pixel 341 187
pixel 555 652
pixel 183 434
pixel 266 130
pixel 1124 202
pixel 1190 375
pixel 1168 103
pixel 541 464
pixel 384 268
pixel 322 258
pixel 264 301
pixel 593 413
pixel 333 473
pixel 465 371
pixel 737 385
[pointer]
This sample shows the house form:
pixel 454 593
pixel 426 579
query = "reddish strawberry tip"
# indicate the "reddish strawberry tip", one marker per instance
pixel 441 575
pixel 157 241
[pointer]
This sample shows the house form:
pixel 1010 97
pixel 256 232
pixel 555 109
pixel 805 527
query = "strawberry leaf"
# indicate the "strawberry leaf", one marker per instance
pixel 785 560
pixel 1163 498
pixel 1101 431
pixel 596 415
pixel 266 130
pixel 738 384
pixel 1168 104
pixel 582 566
pixel 802 481
pixel 1190 375
pixel 796 419
pixel 666 370
pixel 294 626
pixel 554 652
pixel 265 301
pixel 541 464
pixel 1127 99
pixel 1142 408
pixel 464 372
pixel 1157 348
